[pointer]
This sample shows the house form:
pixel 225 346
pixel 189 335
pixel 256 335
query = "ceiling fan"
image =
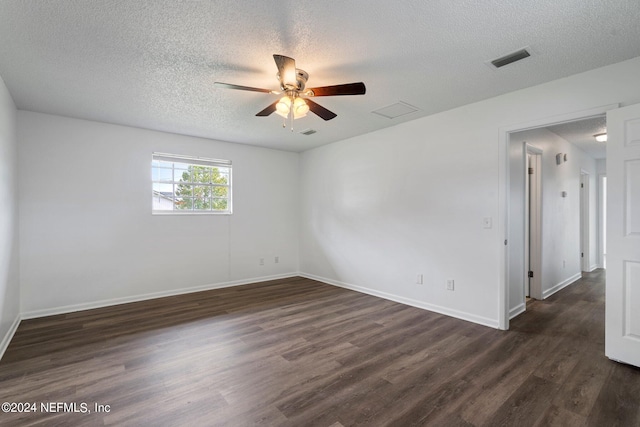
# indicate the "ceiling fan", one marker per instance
pixel 296 102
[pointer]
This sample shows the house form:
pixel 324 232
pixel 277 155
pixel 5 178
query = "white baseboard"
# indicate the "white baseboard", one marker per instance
pixel 594 267
pixel 9 335
pixel 561 285
pixel 124 300
pixel 519 309
pixel 493 323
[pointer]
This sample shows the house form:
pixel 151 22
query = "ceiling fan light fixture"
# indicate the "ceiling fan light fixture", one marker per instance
pixel 601 137
pixel 286 105
pixel 292 85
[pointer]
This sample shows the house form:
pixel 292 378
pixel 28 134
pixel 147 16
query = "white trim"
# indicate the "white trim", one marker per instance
pixel 593 267
pixel 533 224
pixel 9 335
pixel 195 160
pixel 585 219
pixel 517 310
pixel 485 321
pixel 503 224
pixel 503 192
pixel 546 294
pixel 124 300
pixel 601 218
pixel 190 213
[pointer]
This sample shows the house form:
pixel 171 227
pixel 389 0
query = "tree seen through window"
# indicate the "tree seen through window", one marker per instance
pixel 202 188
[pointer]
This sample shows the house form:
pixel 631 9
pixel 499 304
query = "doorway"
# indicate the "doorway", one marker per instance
pixel 561 262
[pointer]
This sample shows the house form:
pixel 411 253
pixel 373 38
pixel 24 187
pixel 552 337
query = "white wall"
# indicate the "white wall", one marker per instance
pixel 9 270
pixel 601 166
pixel 380 208
pixel 560 215
pixel 375 210
pixel 87 234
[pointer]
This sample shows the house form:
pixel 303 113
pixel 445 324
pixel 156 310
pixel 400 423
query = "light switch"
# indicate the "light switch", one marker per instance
pixel 487 222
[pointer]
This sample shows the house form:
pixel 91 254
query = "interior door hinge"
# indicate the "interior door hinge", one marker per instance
pixel 530 171
pixel 581 185
pixel 581 254
pixel 530 274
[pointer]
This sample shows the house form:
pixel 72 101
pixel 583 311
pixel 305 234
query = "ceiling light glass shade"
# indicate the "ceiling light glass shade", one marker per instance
pixel 601 137
pixel 300 108
pixel 284 106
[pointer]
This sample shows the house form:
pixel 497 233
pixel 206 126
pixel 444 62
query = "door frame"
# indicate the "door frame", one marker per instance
pixel 533 223
pixel 602 220
pixel 503 196
pixel 585 236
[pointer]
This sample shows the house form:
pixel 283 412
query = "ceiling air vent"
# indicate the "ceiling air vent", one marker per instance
pixel 308 131
pixel 511 58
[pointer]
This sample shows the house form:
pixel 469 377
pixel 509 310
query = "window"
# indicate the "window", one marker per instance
pixel 188 185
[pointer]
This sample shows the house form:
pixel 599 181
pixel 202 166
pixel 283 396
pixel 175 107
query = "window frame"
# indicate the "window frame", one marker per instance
pixel 187 161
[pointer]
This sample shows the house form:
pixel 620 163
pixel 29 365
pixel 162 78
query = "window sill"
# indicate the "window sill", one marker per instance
pixel 188 213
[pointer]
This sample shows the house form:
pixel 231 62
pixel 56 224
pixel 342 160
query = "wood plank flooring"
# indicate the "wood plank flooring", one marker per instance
pixel 296 352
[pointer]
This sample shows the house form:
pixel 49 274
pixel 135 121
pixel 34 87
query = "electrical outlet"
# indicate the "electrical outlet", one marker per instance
pixel 419 279
pixel 261 261
pixel 277 259
pixel 450 284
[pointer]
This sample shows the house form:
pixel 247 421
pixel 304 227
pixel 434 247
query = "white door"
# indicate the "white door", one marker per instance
pixel 622 329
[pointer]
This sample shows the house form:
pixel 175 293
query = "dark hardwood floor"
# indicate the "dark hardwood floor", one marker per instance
pixel 296 352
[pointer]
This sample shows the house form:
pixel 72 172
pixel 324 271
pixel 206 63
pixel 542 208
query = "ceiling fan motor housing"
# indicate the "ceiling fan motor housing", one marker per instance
pixel 301 80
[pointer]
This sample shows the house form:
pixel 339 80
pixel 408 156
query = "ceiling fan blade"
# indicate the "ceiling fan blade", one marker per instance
pixel 320 110
pixel 345 89
pixel 267 111
pixel 237 87
pixel 287 69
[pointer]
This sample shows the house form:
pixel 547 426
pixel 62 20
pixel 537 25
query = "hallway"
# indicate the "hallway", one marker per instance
pixel 582 385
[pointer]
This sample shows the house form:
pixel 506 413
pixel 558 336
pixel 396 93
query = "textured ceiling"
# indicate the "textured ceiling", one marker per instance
pixel 580 133
pixel 152 64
